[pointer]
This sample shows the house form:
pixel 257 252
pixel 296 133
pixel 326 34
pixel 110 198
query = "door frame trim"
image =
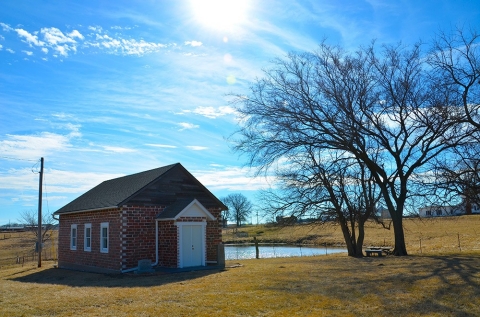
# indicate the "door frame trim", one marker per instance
pixel 180 225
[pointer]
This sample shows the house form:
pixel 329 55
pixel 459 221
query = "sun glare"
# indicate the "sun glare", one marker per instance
pixel 220 14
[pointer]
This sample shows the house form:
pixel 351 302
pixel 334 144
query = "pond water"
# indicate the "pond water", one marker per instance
pixel 239 252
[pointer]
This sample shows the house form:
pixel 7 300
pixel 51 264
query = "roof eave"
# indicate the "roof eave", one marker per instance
pixel 84 210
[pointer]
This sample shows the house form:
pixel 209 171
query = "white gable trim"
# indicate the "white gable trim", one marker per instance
pixel 193 209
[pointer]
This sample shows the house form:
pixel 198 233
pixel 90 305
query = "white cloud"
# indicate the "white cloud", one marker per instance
pixel 10 50
pixel 117 149
pixel 29 53
pixel 187 126
pixel 31 146
pixel 162 145
pixel 95 28
pixel 45 50
pixel 196 147
pixel 77 34
pixel 6 27
pixel 54 36
pixel 193 43
pixel 231 178
pixel 1 46
pixel 56 181
pixel 29 38
pixel 211 112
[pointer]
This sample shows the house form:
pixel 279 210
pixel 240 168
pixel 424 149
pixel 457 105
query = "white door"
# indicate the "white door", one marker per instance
pixel 192 245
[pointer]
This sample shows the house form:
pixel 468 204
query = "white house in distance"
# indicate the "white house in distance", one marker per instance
pixel 443 211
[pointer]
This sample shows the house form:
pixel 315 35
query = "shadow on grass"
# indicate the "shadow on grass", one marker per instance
pixel 55 276
pixel 399 286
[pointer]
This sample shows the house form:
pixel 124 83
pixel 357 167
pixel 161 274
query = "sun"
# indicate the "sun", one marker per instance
pixel 220 14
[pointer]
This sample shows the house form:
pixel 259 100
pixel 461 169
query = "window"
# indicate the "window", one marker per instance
pixel 73 237
pixel 428 212
pixel 87 237
pixel 104 237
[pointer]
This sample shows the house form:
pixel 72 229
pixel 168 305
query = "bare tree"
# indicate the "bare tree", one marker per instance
pixel 324 184
pixel 30 219
pixel 380 106
pixel 455 59
pixel 239 207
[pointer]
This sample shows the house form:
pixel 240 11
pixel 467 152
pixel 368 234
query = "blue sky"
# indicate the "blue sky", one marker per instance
pixel 103 89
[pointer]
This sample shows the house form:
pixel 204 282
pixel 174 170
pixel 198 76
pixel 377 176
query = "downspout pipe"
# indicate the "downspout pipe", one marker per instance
pixel 156 243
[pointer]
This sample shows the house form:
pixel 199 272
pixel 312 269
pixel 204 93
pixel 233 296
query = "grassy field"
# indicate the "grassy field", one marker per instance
pixel 434 235
pixel 333 285
pixel 440 281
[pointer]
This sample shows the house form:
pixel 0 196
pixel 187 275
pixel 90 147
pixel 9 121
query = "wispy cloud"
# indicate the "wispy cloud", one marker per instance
pixel 118 149
pixel 187 126
pixel 162 145
pixel 57 181
pixel 211 112
pixel 6 27
pixel 197 147
pixel 231 178
pixel 193 43
pixel 31 146
pixel 28 38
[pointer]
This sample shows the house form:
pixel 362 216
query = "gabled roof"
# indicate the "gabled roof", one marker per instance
pixel 115 192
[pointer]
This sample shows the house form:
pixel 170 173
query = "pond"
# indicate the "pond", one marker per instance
pixel 239 252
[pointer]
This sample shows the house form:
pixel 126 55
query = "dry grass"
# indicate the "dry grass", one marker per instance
pixel 436 235
pixel 22 244
pixel 333 285
pixel 442 281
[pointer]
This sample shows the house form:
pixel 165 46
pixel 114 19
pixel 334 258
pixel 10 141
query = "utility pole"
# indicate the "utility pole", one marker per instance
pixel 39 232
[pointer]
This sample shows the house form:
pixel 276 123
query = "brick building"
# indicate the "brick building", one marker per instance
pixel 165 216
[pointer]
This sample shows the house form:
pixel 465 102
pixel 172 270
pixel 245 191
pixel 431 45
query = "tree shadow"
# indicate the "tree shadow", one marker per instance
pixel 418 285
pixel 55 276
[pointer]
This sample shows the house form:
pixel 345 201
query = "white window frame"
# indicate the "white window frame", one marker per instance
pixel 103 249
pixel 86 237
pixel 73 237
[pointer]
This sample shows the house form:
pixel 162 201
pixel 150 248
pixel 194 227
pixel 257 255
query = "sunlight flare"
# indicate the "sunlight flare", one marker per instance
pixel 220 14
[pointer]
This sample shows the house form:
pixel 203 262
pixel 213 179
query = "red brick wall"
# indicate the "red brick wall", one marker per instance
pixel 214 234
pixel 131 238
pixel 167 244
pixel 138 234
pixel 94 258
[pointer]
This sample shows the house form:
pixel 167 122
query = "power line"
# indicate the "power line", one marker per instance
pixel 17 159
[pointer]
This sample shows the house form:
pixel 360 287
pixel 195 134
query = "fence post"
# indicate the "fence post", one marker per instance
pixel 459 247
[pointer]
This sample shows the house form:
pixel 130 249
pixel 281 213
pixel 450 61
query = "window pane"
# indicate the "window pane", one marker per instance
pixel 87 237
pixel 74 237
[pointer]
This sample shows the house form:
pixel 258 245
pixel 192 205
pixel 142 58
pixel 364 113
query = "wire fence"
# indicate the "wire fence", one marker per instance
pixel 49 253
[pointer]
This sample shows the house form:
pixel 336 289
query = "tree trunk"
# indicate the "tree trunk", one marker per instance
pixel 354 248
pixel 400 247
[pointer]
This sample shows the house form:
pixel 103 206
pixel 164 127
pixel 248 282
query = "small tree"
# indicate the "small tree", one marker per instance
pixel 30 219
pixel 239 207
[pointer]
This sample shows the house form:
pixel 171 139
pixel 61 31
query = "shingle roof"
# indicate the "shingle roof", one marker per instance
pixel 114 192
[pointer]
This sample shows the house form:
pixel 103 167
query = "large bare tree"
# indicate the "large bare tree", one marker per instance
pixel 455 59
pixel 379 105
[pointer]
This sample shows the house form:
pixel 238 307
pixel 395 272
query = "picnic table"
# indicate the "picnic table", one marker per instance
pixel 378 251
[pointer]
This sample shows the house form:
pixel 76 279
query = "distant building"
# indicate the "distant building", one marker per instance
pixel 443 211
